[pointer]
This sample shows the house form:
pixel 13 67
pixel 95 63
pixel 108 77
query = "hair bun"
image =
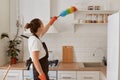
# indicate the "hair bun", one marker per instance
pixel 27 26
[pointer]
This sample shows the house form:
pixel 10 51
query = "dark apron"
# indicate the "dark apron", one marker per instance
pixel 44 64
pixel 43 61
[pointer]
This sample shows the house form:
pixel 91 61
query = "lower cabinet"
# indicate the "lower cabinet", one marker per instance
pixel 52 75
pixel 66 75
pixel 87 75
pixel 26 75
pixel 12 75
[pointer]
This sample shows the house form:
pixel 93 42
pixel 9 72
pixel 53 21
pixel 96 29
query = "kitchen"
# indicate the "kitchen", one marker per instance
pixel 89 41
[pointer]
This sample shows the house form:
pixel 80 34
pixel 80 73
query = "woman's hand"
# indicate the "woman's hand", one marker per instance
pixel 53 19
pixel 42 77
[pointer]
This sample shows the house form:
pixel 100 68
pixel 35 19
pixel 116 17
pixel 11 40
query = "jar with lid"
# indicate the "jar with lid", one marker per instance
pixel 90 7
pixel 100 18
pixel 97 7
pixel 106 18
pixel 94 18
pixel 88 18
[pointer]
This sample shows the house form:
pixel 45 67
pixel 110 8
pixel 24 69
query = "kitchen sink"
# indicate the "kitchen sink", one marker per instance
pixel 93 64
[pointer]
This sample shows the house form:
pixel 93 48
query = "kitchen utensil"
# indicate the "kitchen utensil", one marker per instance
pixel 67 54
pixel 6 72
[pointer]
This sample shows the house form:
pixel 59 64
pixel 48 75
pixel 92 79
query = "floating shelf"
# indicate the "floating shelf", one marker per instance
pixel 97 11
pixel 90 23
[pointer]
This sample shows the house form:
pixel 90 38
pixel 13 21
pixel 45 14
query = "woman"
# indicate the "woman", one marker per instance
pixel 37 48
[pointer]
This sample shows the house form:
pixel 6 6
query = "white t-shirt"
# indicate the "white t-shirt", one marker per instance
pixel 34 44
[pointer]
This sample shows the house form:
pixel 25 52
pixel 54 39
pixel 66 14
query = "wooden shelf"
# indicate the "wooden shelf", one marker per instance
pixel 90 23
pixel 97 11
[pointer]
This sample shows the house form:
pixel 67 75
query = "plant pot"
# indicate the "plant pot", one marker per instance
pixel 13 60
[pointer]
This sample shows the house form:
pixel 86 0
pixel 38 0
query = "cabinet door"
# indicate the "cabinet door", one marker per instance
pixel 30 9
pixel 88 75
pixel 12 75
pixel 66 75
pixel 27 78
pixel 52 75
pixel 27 75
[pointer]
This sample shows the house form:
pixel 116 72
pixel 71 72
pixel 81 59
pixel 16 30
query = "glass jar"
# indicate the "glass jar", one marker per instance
pixel 94 18
pixel 90 7
pixel 97 7
pixel 88 18
pixel 100 18
pixel 106 18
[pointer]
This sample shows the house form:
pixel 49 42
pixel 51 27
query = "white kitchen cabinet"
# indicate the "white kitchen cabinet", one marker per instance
pixel 26 75
pixel 12 75
pixel 30 9
pixel 87 75
pixel 113 47
pixel 13 15
pixel 36 9
pixel 26 10
pixel 66 75
pixel 52 75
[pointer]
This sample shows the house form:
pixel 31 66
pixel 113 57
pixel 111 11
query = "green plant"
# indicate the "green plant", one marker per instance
pixel 13 49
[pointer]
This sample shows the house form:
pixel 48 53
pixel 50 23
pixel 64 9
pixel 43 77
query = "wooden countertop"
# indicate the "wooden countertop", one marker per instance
pixel 18 66
pixel 61 66
pixel 70 66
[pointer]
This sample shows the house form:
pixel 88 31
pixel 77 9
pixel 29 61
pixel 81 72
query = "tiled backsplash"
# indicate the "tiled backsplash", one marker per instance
pixel 86 48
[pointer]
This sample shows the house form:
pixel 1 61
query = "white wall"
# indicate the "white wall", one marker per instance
pixel 114 4
pixel 4 27
pixel 89 42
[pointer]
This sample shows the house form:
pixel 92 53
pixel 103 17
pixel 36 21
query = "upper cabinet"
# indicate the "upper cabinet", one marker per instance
pixel 30 9
pixel 26 10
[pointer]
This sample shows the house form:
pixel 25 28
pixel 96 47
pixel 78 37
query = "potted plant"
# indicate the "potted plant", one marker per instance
pixel 13 50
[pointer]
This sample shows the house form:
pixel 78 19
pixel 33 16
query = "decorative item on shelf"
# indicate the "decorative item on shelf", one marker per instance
pixel 88 18
pixel 94 7
pixel 97 7
pixel 13 50
pixel 94 18
pixel 100 18
pixel 106 18
pixel 90 7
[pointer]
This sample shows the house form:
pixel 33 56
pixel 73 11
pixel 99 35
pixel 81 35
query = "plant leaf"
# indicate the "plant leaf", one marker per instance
pixel 3 35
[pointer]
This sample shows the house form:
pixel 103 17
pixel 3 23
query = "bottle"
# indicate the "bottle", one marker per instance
pixel 94 18
pixel 104 61
pixel 100 18
pixel 106 18
pixel 89 18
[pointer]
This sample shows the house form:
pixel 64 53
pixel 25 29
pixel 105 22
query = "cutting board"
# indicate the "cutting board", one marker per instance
pixel 67 55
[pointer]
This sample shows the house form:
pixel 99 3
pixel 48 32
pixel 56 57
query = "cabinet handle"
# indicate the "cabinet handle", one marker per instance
pixel 88 77
pixel 66 77
pixel 28 79
pixel 11 76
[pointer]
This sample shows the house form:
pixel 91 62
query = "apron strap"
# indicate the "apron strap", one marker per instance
pixel 28 63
